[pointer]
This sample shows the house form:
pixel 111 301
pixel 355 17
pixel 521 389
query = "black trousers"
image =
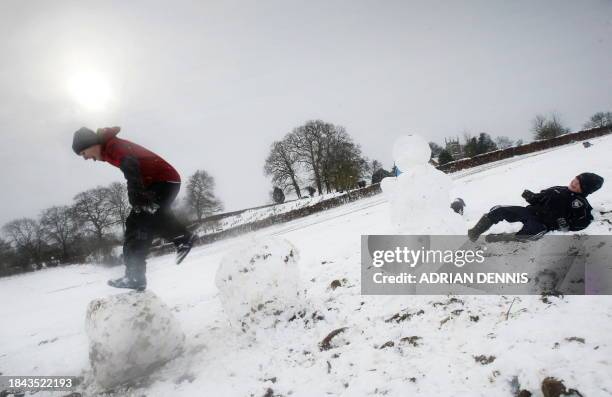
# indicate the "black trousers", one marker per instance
pixel 532 226
pixel 141 227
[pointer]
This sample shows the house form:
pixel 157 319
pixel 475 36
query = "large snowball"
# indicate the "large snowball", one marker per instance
pixel 130 335
pixel 410 150
pixel 259 284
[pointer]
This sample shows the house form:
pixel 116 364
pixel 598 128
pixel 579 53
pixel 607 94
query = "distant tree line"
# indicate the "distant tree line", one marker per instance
pixel 321 155
pixel 542 127
pixel 90 227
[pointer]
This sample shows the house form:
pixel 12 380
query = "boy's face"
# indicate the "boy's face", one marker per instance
pixel 92 152
pixel 574 185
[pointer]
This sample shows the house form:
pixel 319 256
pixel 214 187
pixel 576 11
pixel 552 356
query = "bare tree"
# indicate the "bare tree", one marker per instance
pixel 599 119
pixel 200 194
pixel 503 142
pixel 308 143
pixel 375 165
pixel 93 208
pixel 329 153
pixel 6 256
pixel 59 226
pixel 544 127
pixel 119 202
pixel 27 237
pixel 372 167
pixel 281 164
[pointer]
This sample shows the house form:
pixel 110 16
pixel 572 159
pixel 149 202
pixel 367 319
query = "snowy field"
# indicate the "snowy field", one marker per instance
pixel 437 346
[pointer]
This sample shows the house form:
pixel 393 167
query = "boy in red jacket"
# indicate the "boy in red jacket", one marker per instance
pixel 152 185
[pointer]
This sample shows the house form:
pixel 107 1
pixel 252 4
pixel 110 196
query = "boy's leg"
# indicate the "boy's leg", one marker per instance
pixel 138 238
pixel 532 228
pixel 166 223
pixel 510 213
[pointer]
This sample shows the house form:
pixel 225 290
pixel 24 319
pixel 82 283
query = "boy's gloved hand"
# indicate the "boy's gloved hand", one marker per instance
pixel 149 209
pixel 563 226
pixel 531 197
pixel 527 195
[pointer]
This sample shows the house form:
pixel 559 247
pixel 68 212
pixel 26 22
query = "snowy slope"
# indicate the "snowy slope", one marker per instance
pixel 44 312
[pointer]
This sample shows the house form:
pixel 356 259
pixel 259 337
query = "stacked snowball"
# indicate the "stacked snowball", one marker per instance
pixel 420 196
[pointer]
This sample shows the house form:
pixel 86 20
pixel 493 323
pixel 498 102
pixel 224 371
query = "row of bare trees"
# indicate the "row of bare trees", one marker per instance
pixel 90 226
pixel 317 153
pixel 67 232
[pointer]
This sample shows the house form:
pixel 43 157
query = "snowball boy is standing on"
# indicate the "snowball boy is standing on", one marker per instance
pixel 152 185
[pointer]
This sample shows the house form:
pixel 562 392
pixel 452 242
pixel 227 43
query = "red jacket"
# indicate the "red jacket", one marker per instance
pixel 152 168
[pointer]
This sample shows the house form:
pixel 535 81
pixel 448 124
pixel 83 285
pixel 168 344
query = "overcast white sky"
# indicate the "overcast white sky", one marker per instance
pixel 210 85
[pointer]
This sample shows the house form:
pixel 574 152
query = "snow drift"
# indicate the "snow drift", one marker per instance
pixel 130 335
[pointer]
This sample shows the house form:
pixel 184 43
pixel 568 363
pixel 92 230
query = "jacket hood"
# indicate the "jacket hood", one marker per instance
pixel 106 133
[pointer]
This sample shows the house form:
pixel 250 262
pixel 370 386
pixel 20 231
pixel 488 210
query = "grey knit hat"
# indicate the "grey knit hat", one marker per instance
pixel 84 138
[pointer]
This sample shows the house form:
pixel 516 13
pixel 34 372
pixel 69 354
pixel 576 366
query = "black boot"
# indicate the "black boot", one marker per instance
pixel 134 277
pixel 183 248
pixel 129 283
pixel 480 227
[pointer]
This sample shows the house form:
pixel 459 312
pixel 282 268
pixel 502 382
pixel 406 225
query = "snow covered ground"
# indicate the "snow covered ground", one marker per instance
pixel 438 345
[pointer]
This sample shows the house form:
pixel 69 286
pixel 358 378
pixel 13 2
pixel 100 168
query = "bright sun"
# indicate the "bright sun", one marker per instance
pixel 91 90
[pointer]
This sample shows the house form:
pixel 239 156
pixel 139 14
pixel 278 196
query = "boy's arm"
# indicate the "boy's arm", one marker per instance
pixel 580 217
pixel 530 196
pixel 536 198
pixel 137 194
pixel 130 166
